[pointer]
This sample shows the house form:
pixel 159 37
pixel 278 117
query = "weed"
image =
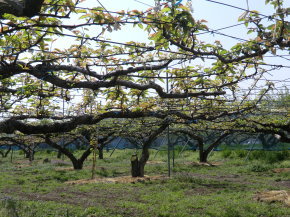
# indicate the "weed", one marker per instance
pixel 226 153
pixel 103 172
pixel 259 167
pixel 241 153
pixel 270 156
pixel 20 181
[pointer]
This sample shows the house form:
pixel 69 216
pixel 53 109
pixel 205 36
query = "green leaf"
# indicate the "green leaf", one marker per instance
pixel 164 10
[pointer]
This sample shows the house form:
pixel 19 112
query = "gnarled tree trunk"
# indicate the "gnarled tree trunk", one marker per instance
pixel 59 154
pixel 143 160
pixel 134 165
pixel 203 155
pixel 5 154
pixel 77 162
pixel 29 154
pixel 138 166
pixel 101 152
pixel 203 151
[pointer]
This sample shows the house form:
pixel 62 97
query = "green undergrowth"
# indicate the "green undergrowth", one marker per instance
pixel 14 207
pixel 266 156
pixel 40 189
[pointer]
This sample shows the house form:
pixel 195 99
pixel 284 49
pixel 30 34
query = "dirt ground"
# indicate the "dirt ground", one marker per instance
pixel 274 196
pixel 104 196
pixel 121 179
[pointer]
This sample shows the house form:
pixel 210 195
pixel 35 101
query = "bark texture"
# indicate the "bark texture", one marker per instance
pixel 204 152
pixel 29 154
pixel 134 166
pixel 101 152
pixel 77 162
pixel 5 153
pixel 138 166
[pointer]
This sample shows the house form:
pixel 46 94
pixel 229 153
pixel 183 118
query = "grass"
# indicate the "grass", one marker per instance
pixel 39 189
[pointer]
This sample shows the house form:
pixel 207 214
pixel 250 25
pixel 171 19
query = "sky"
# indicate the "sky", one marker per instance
pixel 217 15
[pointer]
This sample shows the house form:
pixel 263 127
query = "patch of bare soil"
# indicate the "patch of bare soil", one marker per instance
pixel 223 177
pixel 274 196
pixel 210 164
pixel 22 163
pixel 22 166
pixel 121 179
pixel 71 168
pixel 60 162
pixel 155 162
pixel 281 170
pixel 105 197
pixel 93 197
pixel 285 184
pixel 64 169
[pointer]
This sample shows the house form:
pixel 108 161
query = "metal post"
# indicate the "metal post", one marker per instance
pixel 173 155
pixel 168 145
pixel 94 144
pixel 168 152
pixel 11 156
pixel 251 148
pixel 62 156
